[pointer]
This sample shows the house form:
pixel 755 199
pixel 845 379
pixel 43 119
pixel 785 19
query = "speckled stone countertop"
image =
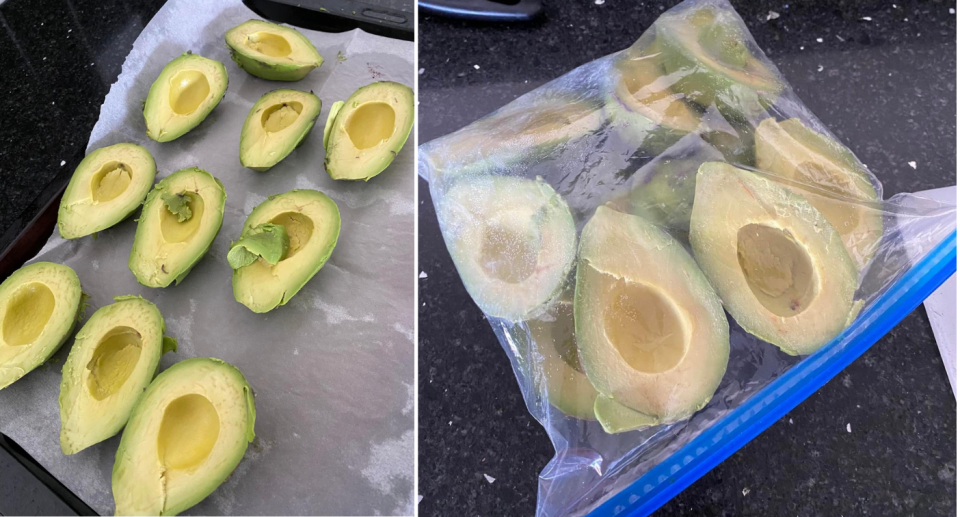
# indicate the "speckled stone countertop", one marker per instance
pixel 881 76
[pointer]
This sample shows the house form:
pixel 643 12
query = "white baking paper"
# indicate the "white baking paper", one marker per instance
pixel 333 369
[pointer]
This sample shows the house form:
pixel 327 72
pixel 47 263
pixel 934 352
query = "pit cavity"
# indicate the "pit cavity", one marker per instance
pixel 188 432
pixel 508 253
pixel 644 326
pixel 188 90
pixel 270 44
pixel 279 116
pixel 110 181
pixel 777 269
pixel 28 312
pixel 299 229
pixel 171 229
pixel 113 361
pixel 371 124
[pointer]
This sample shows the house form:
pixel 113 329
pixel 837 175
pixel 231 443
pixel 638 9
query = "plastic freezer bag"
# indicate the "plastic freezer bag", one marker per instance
pixel 674 252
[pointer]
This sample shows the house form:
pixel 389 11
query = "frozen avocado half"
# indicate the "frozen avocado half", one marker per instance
pixel 512 239
pixel 778 264
pixel 113 359
pixel 180 218
pixel 107 187
pixel 188 89
pixel 364 134
pixel 796 152
pixel 39 305
pixel 271 51
pixel 186 435
pixel 276 125
pixel 650 329
pixel 285 241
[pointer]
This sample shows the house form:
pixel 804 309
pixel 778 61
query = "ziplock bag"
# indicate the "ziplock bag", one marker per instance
pixel 674 252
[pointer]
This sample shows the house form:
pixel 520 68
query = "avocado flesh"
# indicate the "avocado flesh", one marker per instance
pixel 186 91
pixel 39 305
pixel 791 150
pixel 616 418
pixel 559 371
pixel 779 266
pixel 329 124
pixel 186 434
pixel 113 359
pixel 167 245
pixel 268 241
pixel 512 239
pixel 311 221
pixel 276 125
pixel 368 131
pixel 651 332
pixel 106 188
pixel 270 51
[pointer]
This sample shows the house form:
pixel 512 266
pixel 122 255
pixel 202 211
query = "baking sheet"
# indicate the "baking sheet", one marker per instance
pixel 333 369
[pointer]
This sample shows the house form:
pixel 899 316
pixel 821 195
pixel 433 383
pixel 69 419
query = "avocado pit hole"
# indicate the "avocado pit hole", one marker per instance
pixel 299 229
pixel 507 253
pixel 110 181
pixel 279 116
pixel 777 269
pixel 268 43
pixel 171 229
pixel 113 361
pixel 188 90
pixel 188 432
pixel 370 124
pixel 28 312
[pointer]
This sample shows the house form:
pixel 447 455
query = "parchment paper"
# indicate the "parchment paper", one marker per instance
pixel 333 369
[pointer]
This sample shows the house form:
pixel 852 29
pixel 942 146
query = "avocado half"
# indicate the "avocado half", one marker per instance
pixel 364 134
pixel 180 218
pixel 276 125
pixel 778 264
pixel 650 329
pixel 270 51
pixel 114 358
pixel 39 305
pixel 512 239
pixel 272 275
pixel 792 150
pixel 186 435
pixel 106 188
pixel 186 91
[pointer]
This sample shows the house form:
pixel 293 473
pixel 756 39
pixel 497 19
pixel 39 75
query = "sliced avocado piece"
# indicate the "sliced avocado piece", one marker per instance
pixel 186 91
pixel 268 241
pixel 791 150
pixel 185 436
pixel 778 264
pixel 368 131
pixel 168 242
pixel 330 118
pixel 512 239
pixel 39 305
pixel 275 126
pixel 568 389
pixel 311 221
pixel 617 418
pixel 651 331
pixel 106 188
pixel 712 58
pixel 270 51
pixel 113 359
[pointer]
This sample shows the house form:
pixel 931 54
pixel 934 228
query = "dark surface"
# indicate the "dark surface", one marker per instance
pixel 887 89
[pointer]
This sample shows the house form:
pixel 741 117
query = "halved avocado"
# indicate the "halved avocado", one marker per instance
pixel 311 221
pixel 271 51
pixel 512 239
pixel 708 52
pixel 368 130
pixel 778 264
pixel 114 358
pixel 559 369
pixel 275 126
pixel 39 305
pixel 180 218
pixel 188 89
pixel 106 188
pixel 185 436
pixel 794 151
pixel 651 331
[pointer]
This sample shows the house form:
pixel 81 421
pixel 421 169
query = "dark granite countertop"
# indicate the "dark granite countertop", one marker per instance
pixel 887 89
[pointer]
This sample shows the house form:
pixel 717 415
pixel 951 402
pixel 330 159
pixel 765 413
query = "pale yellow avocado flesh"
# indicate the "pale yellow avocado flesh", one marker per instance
pixel 186 91
pixel 643 88
pixel 272 51
pixel 276 125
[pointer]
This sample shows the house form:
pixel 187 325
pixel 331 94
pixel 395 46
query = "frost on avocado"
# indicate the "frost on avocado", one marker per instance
pixel 268 241
pixel 177 205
